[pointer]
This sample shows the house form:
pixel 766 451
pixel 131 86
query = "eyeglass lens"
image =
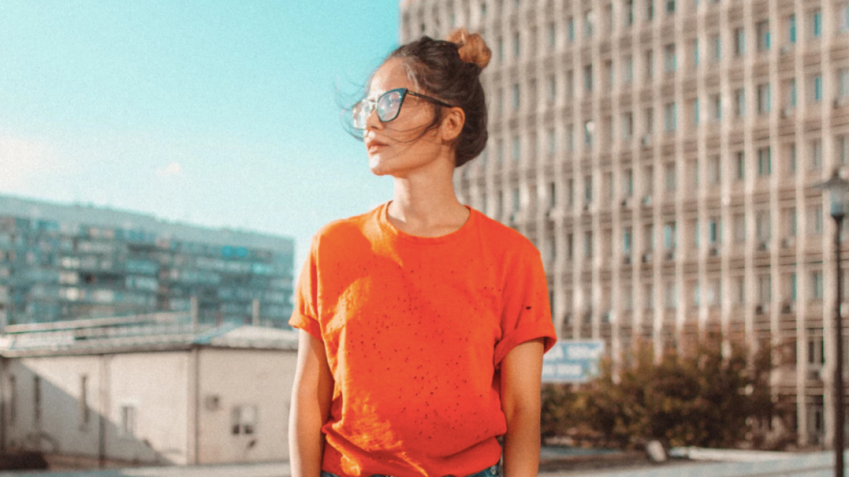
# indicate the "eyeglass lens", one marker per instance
pixel 388 105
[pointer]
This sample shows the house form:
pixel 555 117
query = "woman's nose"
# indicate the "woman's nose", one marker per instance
pixel 373 120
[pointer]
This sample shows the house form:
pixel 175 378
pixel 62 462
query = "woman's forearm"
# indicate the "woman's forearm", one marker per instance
pixel 522 443
pixel 306 442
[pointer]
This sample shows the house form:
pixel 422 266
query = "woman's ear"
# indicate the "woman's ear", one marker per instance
pixel 452 124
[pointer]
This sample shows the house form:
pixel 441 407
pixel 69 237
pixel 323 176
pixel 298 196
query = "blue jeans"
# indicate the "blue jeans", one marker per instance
pixel 488 472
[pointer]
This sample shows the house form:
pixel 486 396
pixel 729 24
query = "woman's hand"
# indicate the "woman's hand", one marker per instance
pixel 311 396
pixel 521 371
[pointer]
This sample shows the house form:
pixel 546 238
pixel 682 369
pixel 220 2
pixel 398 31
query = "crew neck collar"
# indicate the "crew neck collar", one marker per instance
pixel 386 225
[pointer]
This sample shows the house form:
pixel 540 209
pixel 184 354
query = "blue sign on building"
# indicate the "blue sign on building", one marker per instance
pixel 572 361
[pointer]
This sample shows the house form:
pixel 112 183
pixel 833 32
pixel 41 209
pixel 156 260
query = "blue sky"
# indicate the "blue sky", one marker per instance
pixel 217 113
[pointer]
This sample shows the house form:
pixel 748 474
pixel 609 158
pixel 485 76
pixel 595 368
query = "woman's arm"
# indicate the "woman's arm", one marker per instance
pixel 521 370
pixel 311 396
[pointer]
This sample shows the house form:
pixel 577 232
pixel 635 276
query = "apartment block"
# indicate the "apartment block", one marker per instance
pixel 660 155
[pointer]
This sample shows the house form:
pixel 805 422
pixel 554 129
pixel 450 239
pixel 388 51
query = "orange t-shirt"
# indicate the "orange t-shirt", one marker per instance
pixel 415 329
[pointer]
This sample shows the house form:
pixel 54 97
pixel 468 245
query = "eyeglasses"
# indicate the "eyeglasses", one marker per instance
pixel 388 106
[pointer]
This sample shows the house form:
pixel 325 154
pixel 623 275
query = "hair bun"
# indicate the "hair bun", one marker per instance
pixel 472 48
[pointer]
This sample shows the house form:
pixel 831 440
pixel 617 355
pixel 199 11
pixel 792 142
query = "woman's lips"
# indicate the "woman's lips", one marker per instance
pixel 375 146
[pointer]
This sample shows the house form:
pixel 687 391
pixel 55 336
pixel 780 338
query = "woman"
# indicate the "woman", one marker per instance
pixel 423 322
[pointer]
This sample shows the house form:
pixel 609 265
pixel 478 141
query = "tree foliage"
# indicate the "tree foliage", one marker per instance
pixel 699 397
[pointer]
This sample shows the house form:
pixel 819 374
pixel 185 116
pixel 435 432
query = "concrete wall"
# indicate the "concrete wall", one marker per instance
pixel 230 377
pixel 162 388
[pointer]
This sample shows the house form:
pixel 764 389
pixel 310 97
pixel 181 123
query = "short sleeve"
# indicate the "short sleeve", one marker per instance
pixel 526 312
pixel 305 314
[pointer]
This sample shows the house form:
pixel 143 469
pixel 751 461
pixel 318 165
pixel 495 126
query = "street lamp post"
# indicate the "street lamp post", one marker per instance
pixel 837 189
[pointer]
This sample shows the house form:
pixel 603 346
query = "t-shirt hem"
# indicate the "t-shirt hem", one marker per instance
pixel 519 336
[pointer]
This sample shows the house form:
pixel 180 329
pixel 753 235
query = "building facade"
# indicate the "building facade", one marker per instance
pixel 153 389
pixel 660 154
pixel 60 262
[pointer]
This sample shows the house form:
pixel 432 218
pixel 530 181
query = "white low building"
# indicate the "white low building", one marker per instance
pixel 152 389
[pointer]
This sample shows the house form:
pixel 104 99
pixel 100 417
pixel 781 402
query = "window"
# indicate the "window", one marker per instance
pixel 815 221
pixel 695 50
pixel 552 194
pixel 551 29
pixel 764 289
pixel 740 41
pixel 740 227
pixel 763 225
pixel 588 78
pixel 515 204
pixel 85 411
pixel 764 162
pixel 608 16
pixel 740 162
pixel 670 179
pixel 648 234
pixel 243 420
pixel 671 296
pixel 791 158
pixel 694 226
pixel 670 6
pixel 516 97
pixel 649 10
pixel 816 23
pixel 608 70
pixel 551 141
pixel 649 64
pixel 714 170
pixel 791 287
pixel 570 84
pixel 627 129
pixel 570 29
pixel 740 104
pixel 764 98
pixel 696 115
pixel 628 13
pixel 627 69
pixel 670 117
pixel 648 296
pixel 589 127
pixel 716 105
pixel 588 23
pixel 517 149
pixel 791 29
pixel 841 144
pixel 13 399
pixel 843 83
pixel 816 155
pixel 588 189
pixel 790 94
pixel 843 17
pixel 517 46
pixel 551 88
pixel 570 138
pixel 36 399
pixel 816 285
pixel 128 420
pixel 669 239
pixel 714 236
pixel 669 58
pixel 588 244
pixel 816 88
pixel 717 48
pixel 628 183
pixel 763 36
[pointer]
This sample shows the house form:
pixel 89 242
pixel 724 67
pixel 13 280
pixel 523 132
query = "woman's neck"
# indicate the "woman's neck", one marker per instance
pixel 426 205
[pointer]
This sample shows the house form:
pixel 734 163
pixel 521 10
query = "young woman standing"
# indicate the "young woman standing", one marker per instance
pixel 423 322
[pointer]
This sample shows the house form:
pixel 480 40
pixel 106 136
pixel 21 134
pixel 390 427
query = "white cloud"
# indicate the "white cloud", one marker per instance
pixel 172 169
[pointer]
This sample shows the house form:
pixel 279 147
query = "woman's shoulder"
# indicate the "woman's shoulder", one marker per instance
pixel 345 229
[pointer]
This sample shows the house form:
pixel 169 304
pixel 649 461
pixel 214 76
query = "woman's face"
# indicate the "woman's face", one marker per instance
pixel 397 147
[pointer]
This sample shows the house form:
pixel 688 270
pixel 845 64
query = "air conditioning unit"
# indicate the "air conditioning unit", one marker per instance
pixel 625 203
pixel 647 200
pixel 763 246
pixel 785 49
pixel 786 112
pixel 713 250
pixel 838 103
pixel 670 254
pixel 626 259
pixel 647 257
pixel 788 242
pixel 586 206
pixel 645 140
pixel 759 309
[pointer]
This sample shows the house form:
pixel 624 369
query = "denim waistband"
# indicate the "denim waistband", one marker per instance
pixel 491 471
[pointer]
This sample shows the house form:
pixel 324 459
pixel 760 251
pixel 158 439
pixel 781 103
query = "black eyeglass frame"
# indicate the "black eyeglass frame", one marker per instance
pixel 372 103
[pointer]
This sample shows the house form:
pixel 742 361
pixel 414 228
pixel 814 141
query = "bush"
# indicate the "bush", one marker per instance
pixel 702 397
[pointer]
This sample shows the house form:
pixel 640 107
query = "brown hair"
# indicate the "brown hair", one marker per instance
pixel 450 71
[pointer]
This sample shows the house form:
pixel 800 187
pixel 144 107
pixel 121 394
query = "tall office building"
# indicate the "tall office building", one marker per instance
pixel 61 262
pixel 659 153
